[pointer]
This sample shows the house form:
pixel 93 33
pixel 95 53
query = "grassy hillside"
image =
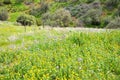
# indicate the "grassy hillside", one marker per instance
pixel 85 13
pixel 29 51
pixel 58 55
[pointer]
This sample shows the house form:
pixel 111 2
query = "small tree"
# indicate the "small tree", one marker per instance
pixel 61 18
pixel 114 24
pixel 3 14
pixel 7 1
pixel 26 20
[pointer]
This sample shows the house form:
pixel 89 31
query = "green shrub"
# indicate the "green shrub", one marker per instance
pixel 114 24
pixel 117 13
pixel 90 1
pixel 61 0
pixel 1 3
pixel 28 2
pixel 43 8
pixel 106 21
pixel 3 14
pixel 19 1
pixel 78 10
pixel 89 14
pixel 110 4
pixel 60 18
pixel 95 5
pixel 92 17
pixel 25 20
pixel 7 1
pixel 38 22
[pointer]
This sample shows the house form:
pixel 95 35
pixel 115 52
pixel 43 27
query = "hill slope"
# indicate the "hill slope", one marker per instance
pixel 50 54
pixel 88 13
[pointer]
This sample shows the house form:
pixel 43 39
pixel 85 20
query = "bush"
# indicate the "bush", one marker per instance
pixel 106 21
pixel 90 1
pixel 1 3
pixel 117 13
pixel 89 14
pixel 19 1
pixel 25 20
pixel 110 4
pixel 43 8
pixel 78 10
pixel 92 17
pixel 38 22
pixel 114 24
pixel 28 2
pixel 7 1
pixel 3 14
pixel 95 5
pixel 60 18
pixel 61 0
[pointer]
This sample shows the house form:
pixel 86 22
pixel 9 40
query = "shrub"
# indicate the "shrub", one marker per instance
pixel 3 14
pixel 43 8
pixel 7 1
pixel 38 22
pixel 78 10
pixel 28 2
pixel 1 3
pixel 117 13
pixel 63 17
pixel 61 0
pixel 92 17
pixel 89 14
pixel 76 23
pixel 106 21
pixel 114 24
pixel 25 20
pixel 60 18
pixel 95 5
pixel 90 1
pixel 110 4
pixel 19 1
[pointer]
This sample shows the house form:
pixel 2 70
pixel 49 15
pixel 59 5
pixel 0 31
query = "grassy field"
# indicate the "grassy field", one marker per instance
pixel 48 54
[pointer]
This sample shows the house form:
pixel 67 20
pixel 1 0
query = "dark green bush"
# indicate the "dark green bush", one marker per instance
pixel 3 14
pixel 1 3
pixel 106 21
pixel 114 24
pixel 61 0
pixel 43 8
pixel 110 4
pixel 90 1
pixel 28 2
pixel 117 13
pixel 7 1
pixel 19 1
pixel 78 10
pixel 38 22
pixel 26 20
pixel 95 5
pixel 89 14
pixel 61 18
pixel 92 17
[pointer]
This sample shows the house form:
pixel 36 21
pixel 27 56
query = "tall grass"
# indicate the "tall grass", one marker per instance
pixel 53 55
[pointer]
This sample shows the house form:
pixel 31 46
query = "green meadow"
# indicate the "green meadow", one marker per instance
pixel 49 54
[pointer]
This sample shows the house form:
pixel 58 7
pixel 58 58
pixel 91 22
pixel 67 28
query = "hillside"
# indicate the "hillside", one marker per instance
pixel 59 40
pixel 50 54
pixel 64 13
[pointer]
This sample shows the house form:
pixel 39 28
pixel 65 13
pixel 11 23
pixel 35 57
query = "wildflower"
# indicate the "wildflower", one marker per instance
pixel 57 67
pixel 80 59
pixel 12 46
pixel 12 38
pixel 80 68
